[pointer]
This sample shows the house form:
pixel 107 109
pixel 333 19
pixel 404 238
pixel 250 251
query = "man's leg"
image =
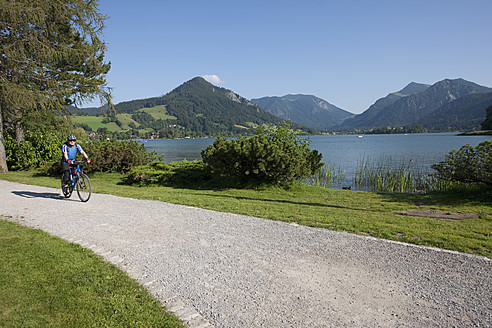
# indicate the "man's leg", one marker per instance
pixel 66 173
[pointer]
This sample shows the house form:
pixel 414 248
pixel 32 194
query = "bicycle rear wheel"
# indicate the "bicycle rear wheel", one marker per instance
pixel 84 187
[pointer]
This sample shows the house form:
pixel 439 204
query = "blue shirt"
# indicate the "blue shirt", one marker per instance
pixel 71 150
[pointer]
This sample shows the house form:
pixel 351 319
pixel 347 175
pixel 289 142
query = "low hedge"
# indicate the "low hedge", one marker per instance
pixel 170 174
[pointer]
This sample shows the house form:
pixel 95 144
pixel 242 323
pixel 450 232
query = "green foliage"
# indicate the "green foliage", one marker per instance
pixel 52 55
pixel 47 120
pixel 487 124
pixel 277 157
pixel 39 146
pixel 468 164
pixel 51 51
pixel 416 128
pixel 116 156
pixel 170 174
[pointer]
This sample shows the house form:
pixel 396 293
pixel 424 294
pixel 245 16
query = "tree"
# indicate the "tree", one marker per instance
pixel 468 164
pixel 487 124
pixel 51 55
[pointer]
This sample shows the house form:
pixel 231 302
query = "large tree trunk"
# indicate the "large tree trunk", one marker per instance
pixel 19 127
pixel 3 155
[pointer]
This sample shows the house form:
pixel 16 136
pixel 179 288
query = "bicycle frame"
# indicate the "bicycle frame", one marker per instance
pixel 78 180
pixel 75 171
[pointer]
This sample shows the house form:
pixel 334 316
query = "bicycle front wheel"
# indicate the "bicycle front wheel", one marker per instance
pixel 84 187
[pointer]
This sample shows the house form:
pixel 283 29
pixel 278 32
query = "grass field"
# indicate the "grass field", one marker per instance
pixel 95 122
pixel 366 213
pixel 126 119
pixel 48 282
pixel 158 112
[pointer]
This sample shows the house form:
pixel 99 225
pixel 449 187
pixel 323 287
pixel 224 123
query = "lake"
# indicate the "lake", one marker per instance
pixel 346 151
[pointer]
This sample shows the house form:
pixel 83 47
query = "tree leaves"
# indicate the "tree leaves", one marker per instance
pixel 468 164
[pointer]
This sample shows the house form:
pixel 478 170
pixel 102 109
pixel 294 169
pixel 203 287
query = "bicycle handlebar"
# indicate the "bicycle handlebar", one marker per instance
pixel 78 162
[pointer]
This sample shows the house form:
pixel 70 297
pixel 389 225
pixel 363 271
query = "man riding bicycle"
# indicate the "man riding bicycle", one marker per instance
pixel 70 150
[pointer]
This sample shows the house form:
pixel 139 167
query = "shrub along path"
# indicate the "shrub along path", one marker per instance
pixel 229 270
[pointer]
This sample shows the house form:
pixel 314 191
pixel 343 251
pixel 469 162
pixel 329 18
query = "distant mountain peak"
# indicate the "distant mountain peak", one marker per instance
pixel 413 87
pixel 307 110
pixel 194 83
pixel 199 108
pixel 414 103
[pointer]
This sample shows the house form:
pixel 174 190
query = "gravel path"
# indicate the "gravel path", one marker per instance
pixel 226 270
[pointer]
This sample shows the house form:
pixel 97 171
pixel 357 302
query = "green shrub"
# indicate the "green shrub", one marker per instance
pixel 468 164
pixel 107 156
pixel 116 156
pixel 280 156
pixel 172 174
pixel 39 146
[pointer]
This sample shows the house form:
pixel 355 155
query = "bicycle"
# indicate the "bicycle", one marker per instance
pixel 78 180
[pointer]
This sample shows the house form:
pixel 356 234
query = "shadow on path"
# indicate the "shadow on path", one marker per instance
pixel 32 194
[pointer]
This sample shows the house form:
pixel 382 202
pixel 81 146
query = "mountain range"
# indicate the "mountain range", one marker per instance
pixel 447 105
pixel 424 105
pixel 306 110
pixel 199 108
pixel 364 119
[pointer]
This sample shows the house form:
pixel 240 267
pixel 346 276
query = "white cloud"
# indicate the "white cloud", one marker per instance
pixel 213 79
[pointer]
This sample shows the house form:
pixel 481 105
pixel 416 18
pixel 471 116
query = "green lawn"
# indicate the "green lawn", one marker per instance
pixel 48 282
pixel 365 213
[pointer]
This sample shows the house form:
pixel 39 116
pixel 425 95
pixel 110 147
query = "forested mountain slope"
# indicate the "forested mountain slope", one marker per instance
pixel 432 107
pixel 306 110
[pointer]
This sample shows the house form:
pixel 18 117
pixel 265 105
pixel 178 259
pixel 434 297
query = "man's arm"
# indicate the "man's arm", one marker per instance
pixel 65 154
pixel 83 152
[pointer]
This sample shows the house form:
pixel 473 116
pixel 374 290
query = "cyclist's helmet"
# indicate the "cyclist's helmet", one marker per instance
pixel 71 137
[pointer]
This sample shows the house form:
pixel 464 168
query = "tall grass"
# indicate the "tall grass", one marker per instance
pixel 386 174
pixel 389 175
pixel 327 176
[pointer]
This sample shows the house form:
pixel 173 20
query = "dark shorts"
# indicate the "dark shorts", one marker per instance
pixel 65 166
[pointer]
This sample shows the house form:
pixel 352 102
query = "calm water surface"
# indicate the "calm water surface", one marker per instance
pixel 346 151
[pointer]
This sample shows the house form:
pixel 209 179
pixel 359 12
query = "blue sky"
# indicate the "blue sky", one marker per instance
pixel 349 53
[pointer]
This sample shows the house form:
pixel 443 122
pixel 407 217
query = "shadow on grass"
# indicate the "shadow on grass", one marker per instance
pixel 284 202
pixel 209 183
pixel 475 196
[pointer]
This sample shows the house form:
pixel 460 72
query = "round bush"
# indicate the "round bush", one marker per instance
pixel 468 164
pixel 279 156
pixel 116 156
